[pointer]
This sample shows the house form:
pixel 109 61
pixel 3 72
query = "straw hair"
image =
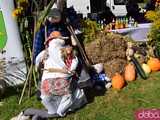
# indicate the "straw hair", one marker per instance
pixel 54 35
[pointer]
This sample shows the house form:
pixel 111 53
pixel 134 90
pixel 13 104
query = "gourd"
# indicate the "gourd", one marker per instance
pixel 157 52
pixel 154 64
pixel 118 81
pixel 130 72
pixel 129 51
pixel 146 68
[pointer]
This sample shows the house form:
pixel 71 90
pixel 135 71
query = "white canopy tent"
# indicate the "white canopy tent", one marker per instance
pixel 12 53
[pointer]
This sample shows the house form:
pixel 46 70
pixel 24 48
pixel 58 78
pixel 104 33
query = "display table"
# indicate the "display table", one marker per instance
pixel 136 33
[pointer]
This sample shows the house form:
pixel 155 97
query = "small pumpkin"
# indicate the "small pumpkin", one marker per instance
pixel 118 81
pixel 154 64
pixel 130 72
pixel 146 68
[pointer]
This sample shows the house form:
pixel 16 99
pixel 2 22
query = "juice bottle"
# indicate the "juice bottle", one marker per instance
pixel 121 23
pixel 126 22
pixel 116 24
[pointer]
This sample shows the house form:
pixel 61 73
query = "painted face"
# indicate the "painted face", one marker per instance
pixel 69 49
pixel 54 20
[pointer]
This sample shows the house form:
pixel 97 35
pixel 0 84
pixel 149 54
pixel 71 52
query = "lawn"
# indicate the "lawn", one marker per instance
pixel 112 105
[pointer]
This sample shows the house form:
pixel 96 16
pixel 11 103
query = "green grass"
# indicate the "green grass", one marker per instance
pixel 113 105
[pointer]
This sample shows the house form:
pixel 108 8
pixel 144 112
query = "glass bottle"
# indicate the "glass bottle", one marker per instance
pixel 113 24
pixel 126 22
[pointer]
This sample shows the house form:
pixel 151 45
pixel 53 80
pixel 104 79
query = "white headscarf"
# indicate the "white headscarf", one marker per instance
pixel 54 59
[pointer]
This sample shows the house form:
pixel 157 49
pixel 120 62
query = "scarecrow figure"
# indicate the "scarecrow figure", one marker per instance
pixel 59 90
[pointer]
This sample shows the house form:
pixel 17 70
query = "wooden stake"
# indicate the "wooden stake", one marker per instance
pixel 25 84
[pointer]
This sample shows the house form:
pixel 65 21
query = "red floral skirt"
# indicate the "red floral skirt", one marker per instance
pixel 55 86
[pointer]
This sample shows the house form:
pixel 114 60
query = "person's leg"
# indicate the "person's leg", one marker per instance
pixel 36 117
pixel 38 114
pixel 84 76
pixel 51 103
pixel 65 104
pixel 79 99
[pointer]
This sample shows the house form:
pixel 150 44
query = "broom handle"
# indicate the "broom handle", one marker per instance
pixel 83 54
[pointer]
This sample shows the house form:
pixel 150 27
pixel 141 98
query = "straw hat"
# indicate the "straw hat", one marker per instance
pixel 55 34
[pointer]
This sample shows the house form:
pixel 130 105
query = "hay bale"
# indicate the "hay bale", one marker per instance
pixel 109 49
pixel 113 66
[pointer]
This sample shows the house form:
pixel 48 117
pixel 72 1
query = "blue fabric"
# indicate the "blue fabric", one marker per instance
pixel 99 77
pixel 40 36
pixel 150 5
pixel 73 17
pixel 38 43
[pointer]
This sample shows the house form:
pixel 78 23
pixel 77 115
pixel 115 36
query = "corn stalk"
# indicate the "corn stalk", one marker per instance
pixel 44 14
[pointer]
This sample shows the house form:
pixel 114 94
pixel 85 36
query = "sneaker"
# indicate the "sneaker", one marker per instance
pixel 108 85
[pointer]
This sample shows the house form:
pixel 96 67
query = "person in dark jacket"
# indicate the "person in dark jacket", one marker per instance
pixel 133 9
pixel 53 23
pixel 150 5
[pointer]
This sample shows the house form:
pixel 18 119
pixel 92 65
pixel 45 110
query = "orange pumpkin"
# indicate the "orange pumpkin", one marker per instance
pixel 118 81
pixel 154 64
pixel 130 72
